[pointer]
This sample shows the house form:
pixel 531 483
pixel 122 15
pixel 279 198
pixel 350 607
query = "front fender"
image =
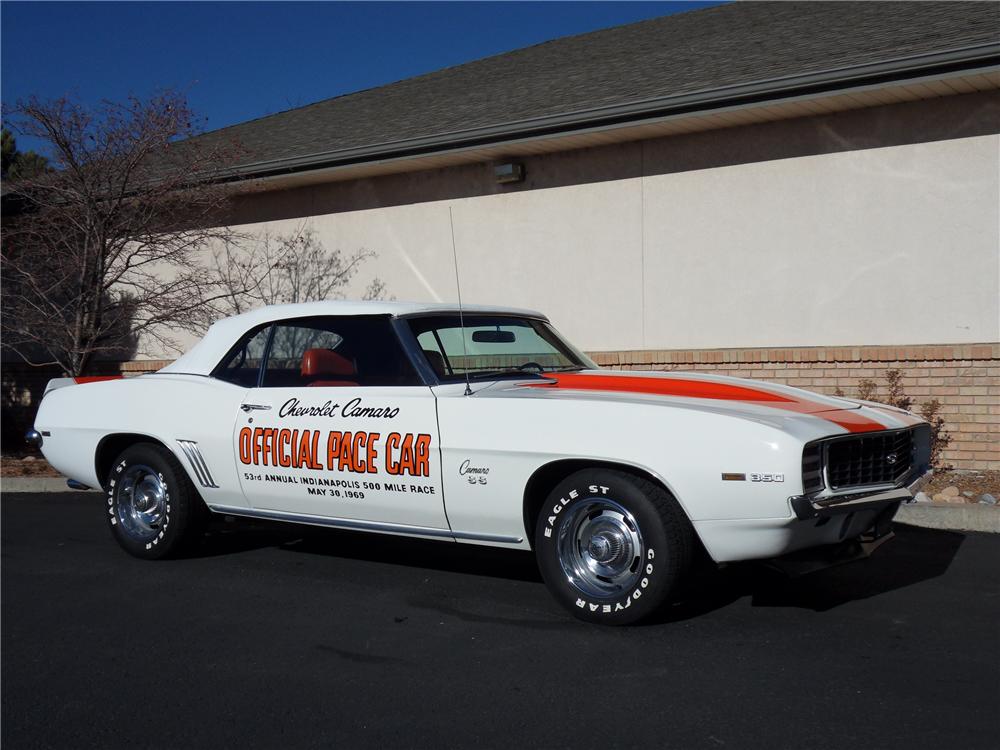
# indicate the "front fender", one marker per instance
pixel 688 451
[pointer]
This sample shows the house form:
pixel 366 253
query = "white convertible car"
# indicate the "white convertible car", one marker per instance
pixel 484 427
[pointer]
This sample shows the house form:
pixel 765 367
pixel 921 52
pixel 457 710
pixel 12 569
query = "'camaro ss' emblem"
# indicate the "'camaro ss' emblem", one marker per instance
pixel 891 459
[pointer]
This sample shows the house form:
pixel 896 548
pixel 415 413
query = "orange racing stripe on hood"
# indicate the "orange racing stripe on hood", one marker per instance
pixel 849 419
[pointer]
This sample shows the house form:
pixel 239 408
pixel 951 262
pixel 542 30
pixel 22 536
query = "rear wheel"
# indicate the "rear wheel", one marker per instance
pixel 612 547
pixel 152 507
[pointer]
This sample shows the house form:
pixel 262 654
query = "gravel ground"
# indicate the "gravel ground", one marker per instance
pixel 976 482
pixel 17 466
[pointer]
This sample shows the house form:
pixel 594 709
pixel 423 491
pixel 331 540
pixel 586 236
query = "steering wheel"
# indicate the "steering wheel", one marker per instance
pixel 526 365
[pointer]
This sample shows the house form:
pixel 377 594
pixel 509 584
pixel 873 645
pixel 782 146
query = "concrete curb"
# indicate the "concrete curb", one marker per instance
pixel 968 517
pixel 34 484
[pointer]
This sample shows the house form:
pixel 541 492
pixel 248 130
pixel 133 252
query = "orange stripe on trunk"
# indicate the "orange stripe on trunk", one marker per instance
pixel 849 419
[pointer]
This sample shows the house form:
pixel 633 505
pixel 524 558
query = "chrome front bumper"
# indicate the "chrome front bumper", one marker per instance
pixel 811 506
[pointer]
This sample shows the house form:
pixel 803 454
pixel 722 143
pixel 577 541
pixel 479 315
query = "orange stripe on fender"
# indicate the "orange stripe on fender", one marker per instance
pixel 96 378
pixel 849 419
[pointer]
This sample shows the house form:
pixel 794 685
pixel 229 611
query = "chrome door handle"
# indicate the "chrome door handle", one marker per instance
pixel 251 407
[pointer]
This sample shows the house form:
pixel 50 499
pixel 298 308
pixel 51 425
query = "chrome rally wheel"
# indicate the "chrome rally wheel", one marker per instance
pixel 152 507
pixel 600 548
pixel 142 502
pixel 612 546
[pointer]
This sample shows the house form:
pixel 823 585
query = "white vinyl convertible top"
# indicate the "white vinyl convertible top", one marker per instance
pixel 205 355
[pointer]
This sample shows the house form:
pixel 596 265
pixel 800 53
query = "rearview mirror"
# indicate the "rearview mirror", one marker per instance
pixel 493 337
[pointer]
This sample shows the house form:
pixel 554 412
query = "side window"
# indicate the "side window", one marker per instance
pixel 242 365
pixel 337 352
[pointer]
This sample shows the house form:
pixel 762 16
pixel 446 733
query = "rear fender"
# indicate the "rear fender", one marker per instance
pixel 57 383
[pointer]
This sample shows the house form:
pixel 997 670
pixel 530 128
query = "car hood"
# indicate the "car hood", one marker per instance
pixel 751 399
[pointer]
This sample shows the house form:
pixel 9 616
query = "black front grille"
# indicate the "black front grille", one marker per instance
pixel 876 458
pixel 812 468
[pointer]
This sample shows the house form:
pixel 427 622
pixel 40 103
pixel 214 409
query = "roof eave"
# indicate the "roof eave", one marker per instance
pixel 949 61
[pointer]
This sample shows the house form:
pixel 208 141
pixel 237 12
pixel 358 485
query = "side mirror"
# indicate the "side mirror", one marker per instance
pixel 493 337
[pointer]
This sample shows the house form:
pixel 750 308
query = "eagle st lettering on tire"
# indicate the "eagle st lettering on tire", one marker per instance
pixel 612 546
pixel 154 511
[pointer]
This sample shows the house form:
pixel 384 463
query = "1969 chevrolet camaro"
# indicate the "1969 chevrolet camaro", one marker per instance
pixel 480 426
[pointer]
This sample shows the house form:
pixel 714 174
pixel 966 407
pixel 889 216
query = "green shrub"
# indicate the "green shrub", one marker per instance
pixel 940 437
pixel 868 390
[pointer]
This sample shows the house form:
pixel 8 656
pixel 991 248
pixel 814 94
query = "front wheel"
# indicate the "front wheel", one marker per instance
pixel 152 507
pixel 612 547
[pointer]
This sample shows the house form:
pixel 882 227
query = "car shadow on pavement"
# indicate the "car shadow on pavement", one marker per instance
pixel 244 536
pixel 914 555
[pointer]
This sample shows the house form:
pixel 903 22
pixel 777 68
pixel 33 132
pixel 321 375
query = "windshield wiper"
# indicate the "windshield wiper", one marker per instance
pixel 511 373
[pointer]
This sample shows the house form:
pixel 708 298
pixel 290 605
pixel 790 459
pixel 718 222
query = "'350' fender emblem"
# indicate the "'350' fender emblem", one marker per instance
pixel 767 477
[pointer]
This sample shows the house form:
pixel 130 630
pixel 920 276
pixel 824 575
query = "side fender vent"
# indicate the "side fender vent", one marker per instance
pixel 197 461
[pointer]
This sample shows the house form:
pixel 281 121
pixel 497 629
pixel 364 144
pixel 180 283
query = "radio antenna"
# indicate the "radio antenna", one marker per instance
pixel 461 314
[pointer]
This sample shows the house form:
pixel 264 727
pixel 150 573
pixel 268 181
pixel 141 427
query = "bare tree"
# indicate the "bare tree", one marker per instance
pixel 272 269
pixel 103 250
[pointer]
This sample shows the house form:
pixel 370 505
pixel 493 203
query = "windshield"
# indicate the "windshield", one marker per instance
pixel 493 346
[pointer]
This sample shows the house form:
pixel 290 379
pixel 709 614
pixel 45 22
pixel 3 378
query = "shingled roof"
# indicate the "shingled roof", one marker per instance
pixel 605 73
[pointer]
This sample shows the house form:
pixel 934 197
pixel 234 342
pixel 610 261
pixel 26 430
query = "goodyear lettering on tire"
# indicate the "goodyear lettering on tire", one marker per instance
pixel 607 608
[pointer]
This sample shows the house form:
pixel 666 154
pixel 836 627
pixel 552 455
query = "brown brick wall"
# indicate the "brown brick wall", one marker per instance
pixel 140 366
pixel 964 378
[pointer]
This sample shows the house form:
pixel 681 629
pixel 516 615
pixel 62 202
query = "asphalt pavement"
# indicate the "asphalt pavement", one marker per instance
pixel 282 636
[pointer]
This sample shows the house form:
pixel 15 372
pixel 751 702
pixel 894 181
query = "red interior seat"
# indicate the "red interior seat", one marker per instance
pixel 324 368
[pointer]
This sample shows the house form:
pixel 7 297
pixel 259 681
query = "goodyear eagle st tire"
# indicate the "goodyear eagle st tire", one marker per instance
pixel 151 506
pixel 612 547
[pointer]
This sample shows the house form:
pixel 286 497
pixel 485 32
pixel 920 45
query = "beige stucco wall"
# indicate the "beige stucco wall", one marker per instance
pixel 878 246
pixel 891 245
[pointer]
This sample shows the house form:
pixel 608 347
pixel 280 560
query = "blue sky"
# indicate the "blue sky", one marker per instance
pixel 237 61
